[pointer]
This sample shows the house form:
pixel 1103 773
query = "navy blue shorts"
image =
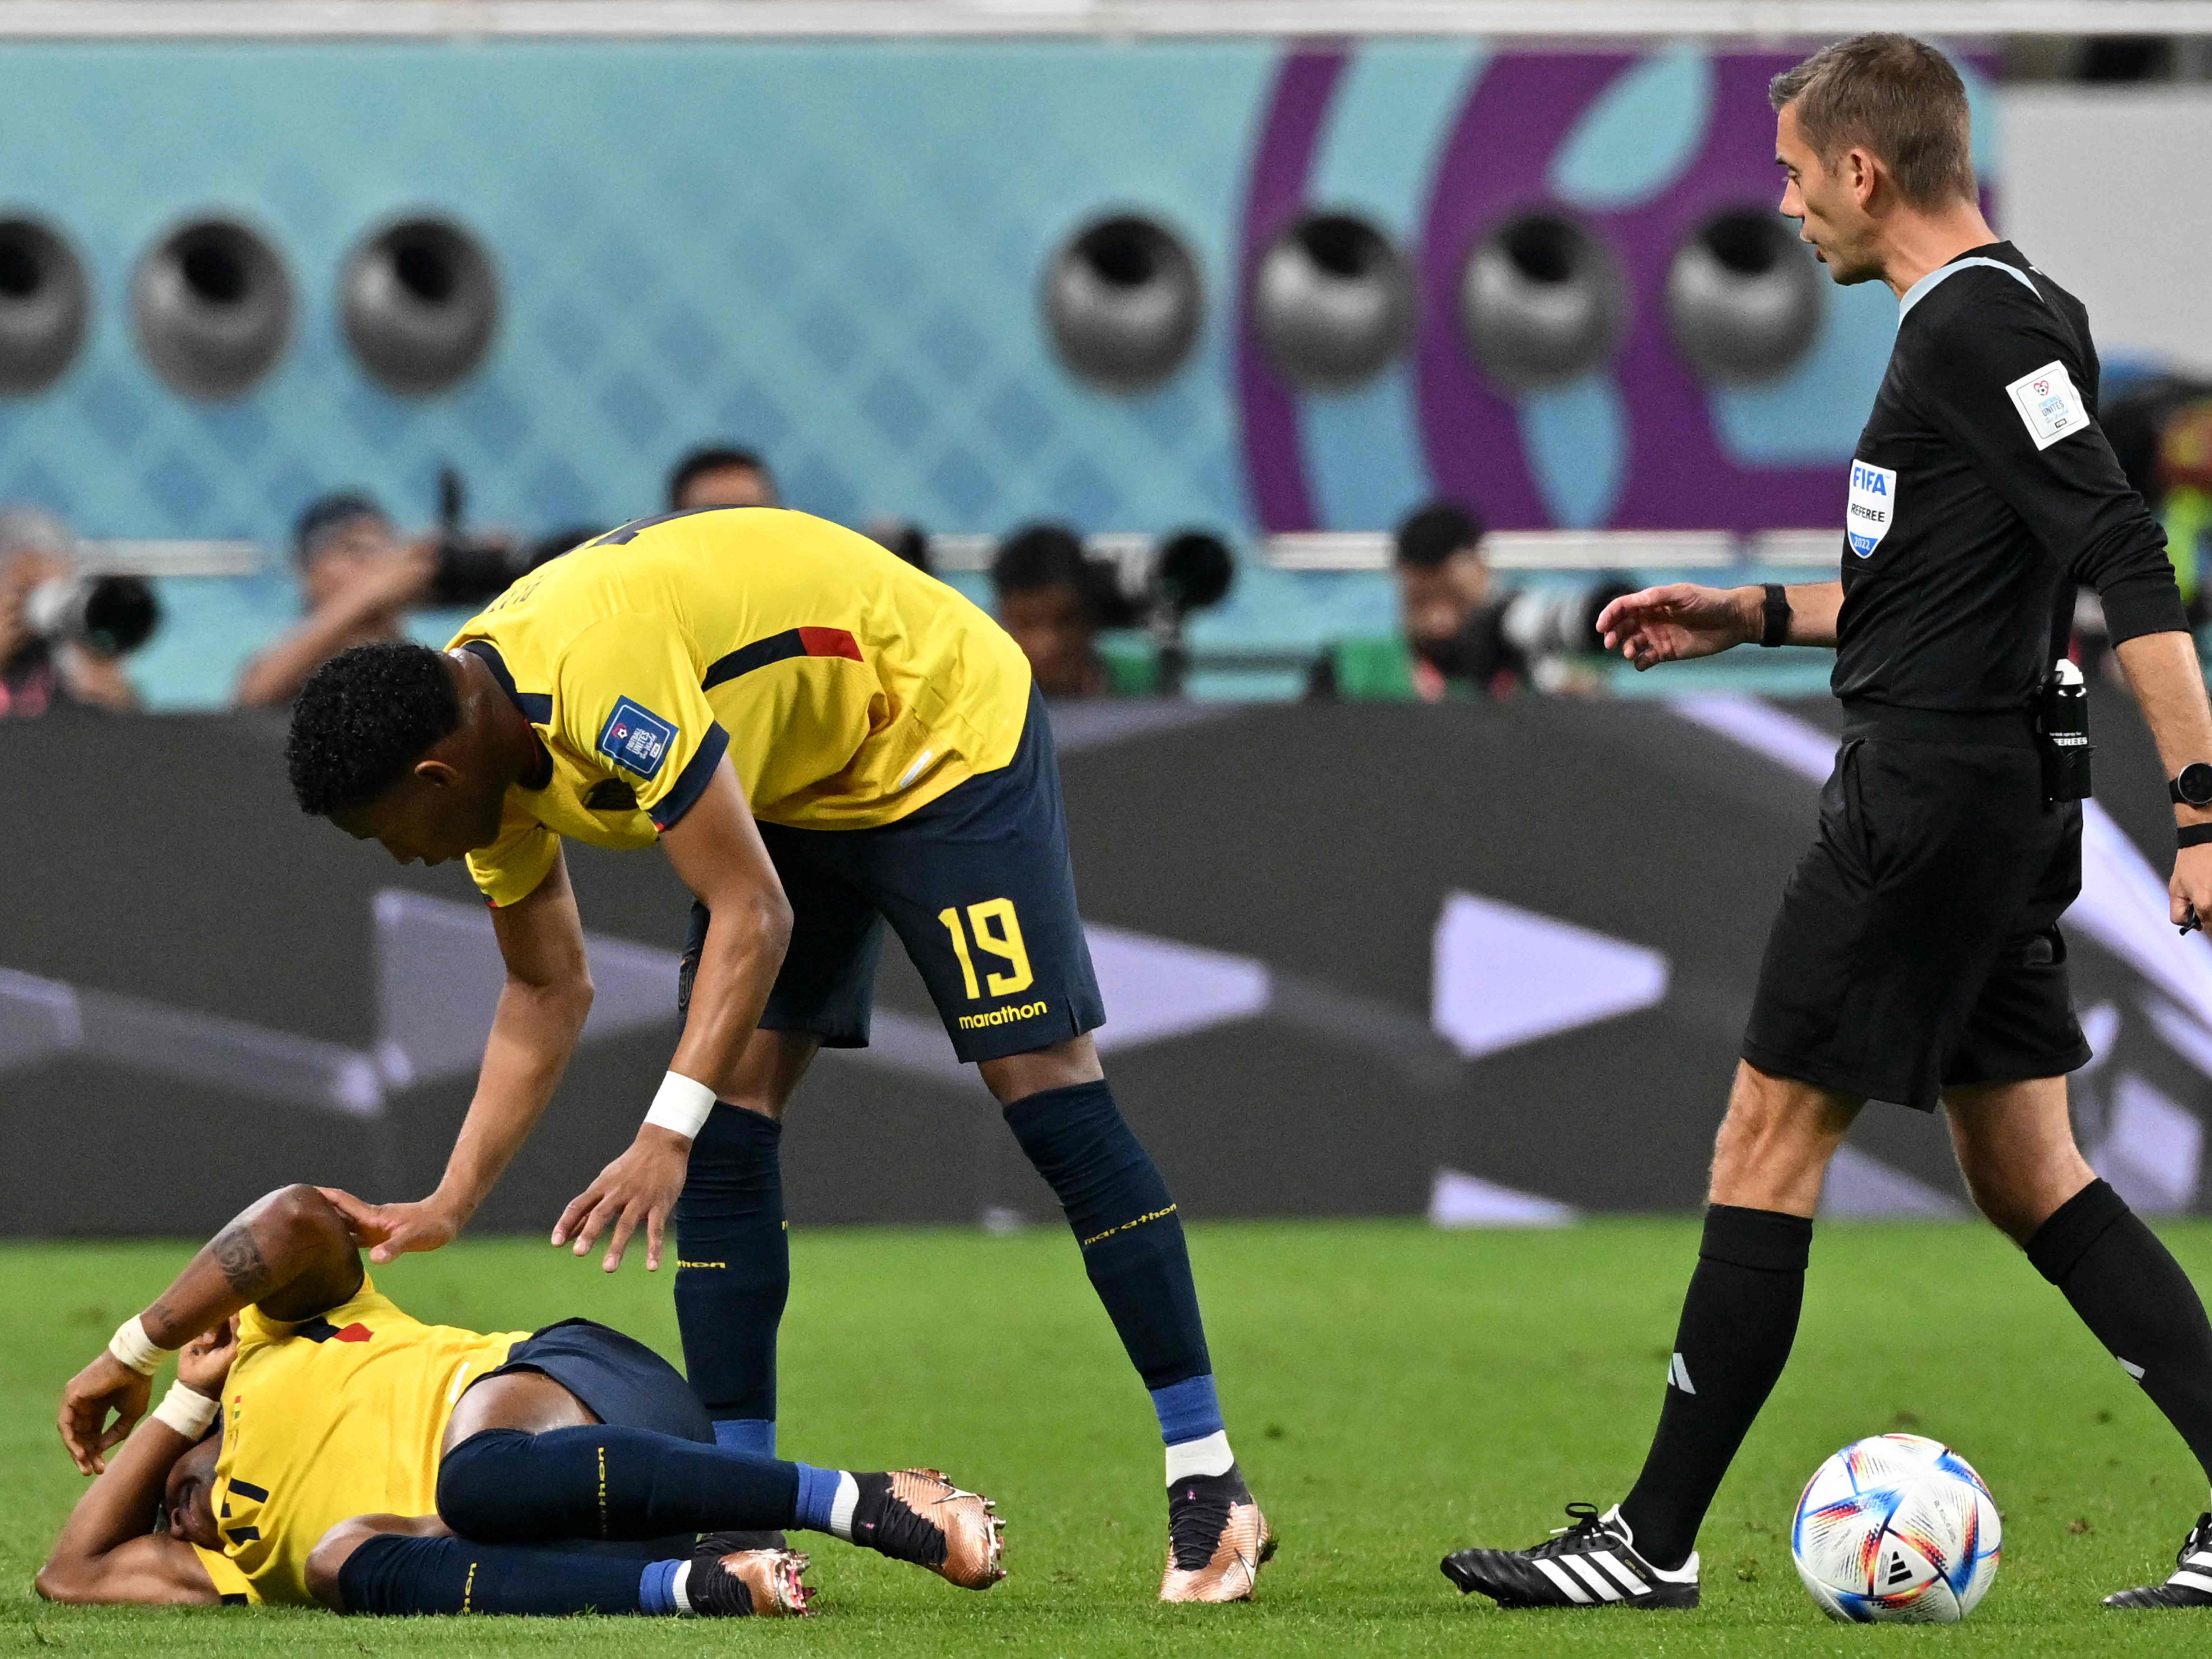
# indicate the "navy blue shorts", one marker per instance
pixel 977 885
pixel 618 1378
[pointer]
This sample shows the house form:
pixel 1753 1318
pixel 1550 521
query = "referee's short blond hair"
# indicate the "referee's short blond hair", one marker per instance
pixel 1895 96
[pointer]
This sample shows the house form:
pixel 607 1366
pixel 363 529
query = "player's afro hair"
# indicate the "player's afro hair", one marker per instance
pixel 362 719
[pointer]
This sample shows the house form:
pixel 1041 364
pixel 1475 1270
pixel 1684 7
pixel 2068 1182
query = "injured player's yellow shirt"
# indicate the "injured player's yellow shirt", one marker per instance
pixel 338 1416
pixel 847 688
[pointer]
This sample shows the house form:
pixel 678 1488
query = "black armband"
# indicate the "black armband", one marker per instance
pixel 1776 631
pixel 2192 835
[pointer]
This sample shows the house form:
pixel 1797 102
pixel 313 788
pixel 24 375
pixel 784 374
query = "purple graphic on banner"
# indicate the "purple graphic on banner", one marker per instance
pixel 1275 457
pixel 1677 474
pixel 1493 166
pixel 1494 162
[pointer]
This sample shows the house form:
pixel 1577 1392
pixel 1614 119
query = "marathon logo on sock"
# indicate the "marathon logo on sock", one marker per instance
pixel 1873 507
pixel 2049 406
pixel 1003 1016
pixel 637 740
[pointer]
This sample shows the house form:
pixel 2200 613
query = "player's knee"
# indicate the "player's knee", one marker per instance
pixel 1776 1141
pixel 476 1480
pixel 326 1561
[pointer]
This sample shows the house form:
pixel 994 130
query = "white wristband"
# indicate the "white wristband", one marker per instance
pixel 131 1346
pixel 187 1411
pixel 682 1106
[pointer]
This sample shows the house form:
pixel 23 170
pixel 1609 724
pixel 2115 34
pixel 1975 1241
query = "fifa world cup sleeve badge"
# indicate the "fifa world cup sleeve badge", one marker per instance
pixel 637 740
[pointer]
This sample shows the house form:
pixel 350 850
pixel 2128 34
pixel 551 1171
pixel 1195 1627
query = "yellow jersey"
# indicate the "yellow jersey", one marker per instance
pixel 338 1416
pixel 847 688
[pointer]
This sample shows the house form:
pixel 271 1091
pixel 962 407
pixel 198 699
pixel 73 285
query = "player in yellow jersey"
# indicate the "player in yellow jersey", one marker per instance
pixel 321 1447
pixel 823 739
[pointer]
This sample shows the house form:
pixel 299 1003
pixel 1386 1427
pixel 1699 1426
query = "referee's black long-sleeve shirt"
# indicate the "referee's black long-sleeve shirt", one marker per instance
pixel 1981 492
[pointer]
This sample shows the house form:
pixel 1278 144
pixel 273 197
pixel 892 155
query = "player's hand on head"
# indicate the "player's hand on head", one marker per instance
pixel 204 1361
pixel 638 1190
pixel 391 1230
pixel 107 1388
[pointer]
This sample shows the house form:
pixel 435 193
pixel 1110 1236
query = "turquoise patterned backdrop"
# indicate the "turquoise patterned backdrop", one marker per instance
pixel 831 252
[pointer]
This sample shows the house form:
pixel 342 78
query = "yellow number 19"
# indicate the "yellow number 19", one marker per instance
pixel 1004 939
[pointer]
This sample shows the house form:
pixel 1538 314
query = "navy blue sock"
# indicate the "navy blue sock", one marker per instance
pixel 507 1486
pixel 734 1273
pixel 394 1574
pixel 1133 1245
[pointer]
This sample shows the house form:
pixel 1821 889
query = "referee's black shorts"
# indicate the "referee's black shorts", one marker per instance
pixel 1917 946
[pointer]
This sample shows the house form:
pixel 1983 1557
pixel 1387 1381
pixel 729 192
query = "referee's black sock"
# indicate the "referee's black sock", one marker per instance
pixel 1738 1322
pixel 2133 1295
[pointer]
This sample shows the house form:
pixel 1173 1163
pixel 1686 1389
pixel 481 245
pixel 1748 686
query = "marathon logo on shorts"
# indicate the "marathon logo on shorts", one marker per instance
pixel 1872 506
pixel 1005 1015
pixel 637 740
pixel 2049 406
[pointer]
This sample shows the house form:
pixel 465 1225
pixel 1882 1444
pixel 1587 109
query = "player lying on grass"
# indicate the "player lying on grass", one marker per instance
pixel 321 1447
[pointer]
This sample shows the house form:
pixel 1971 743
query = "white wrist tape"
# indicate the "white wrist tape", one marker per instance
pixel 682 1106
pixel 187 1411
pixel 133 1348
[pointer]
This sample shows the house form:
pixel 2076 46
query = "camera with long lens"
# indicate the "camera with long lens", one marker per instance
pixel 472 568
pixel 109 616
pixel 1536 635
pixel 1187 572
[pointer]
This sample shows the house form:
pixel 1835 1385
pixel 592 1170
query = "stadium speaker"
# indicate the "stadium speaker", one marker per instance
pixel 1123 299
pixel 1540 302
pixel 1332 301
pixel 214 308
pixel 1743 299
pixel 44 305
pixel 421 302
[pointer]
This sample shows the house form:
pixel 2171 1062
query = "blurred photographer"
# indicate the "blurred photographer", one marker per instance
pixel 360 580
pixel 1051 599
pixel 719 475
pixel 1464 635
pixel 63 633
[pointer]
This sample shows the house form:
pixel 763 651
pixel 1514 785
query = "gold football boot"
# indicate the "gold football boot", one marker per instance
pixel 918 1515
pixel 1218 1540
pixel 747 1583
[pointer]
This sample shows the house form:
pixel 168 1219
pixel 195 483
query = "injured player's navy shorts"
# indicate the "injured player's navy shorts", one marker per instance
pixel 618 1378
pixel 978 886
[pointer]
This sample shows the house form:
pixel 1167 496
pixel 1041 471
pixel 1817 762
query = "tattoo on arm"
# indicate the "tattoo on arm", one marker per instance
pixel 242 1263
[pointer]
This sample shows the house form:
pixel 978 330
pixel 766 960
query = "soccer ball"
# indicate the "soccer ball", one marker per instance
pixel 1896 1527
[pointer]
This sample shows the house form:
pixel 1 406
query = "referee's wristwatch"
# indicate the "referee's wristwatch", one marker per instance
pixel 2194 786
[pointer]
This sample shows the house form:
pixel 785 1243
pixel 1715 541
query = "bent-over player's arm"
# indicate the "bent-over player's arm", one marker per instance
pixel 290 1255
pixel 543 1005
pixel 108 1552
pixel 716 847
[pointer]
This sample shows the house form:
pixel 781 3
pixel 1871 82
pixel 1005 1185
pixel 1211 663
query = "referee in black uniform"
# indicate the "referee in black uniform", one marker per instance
pixel 1916 958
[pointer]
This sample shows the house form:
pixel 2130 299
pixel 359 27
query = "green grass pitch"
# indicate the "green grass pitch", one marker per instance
pixel 1393 1392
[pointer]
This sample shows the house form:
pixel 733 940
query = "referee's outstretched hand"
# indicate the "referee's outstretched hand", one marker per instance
pixel 1678 622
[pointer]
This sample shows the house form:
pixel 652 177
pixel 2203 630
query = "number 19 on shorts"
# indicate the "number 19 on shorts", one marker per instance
pixel 997 933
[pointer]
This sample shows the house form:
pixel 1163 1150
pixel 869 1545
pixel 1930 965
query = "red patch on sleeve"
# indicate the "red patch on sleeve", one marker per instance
pixel 829 643
pixel 355 1332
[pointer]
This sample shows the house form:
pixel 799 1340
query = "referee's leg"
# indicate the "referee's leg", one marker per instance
pixel 2015 1147
pixel 1740 1315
